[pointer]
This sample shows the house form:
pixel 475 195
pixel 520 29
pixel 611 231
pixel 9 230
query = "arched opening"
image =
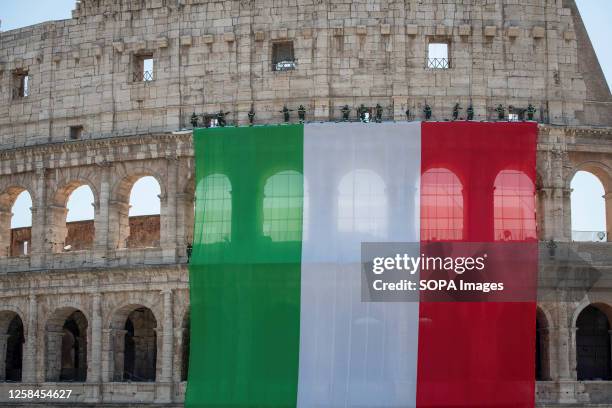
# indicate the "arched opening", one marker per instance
pixel 67 346
pixel 135 347
pixel 542 369
pixel 593 345
pixel 362 204
pixel 21 225
pixel 283 206
pixel 216 191
pixel 15 222
pixel 588 208
pixel 80 231
pixel 144 213
pixel 11 344
pixel 442 206
pixel 514 207
pixel 185 348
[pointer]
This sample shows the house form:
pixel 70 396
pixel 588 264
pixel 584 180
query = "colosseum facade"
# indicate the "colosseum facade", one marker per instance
pixel 106 97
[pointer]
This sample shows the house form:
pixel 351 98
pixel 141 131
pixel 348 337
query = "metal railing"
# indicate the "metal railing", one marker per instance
pixel 589 236
pixel 437 63
pixel 144 76
pixel 285 65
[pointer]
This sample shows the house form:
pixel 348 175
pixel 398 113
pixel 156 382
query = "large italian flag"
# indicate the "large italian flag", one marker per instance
pixel 277 318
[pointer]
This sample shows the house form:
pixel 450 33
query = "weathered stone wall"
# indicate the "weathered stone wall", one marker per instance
pixel 211 55
pixel 110 281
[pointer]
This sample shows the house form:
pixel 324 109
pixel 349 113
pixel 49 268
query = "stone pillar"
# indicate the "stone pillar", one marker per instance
pixel 29 350
pixel 3 340
pixel 118 224
pixel 167 337
pixel 39 249
pixel 567 365
pixel 5 232
pixel 101 222
pixel 53 344
pixel 184 224
pixel 177 371
pixel 118 348
pixel 167 233
pixel 608 198
pixel 56 227
pixel 94 366
pixel 164 391
pixel 107 355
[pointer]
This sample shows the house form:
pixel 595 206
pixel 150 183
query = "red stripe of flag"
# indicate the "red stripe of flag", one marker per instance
pixel 478 185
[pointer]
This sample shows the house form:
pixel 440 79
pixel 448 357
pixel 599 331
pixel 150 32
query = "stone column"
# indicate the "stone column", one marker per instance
pixel 107 355
pixel 164 391
pixel 101 222
pixel 94 366
pixel 178 354
pixel 184 224
pixel 5 232
pixel 608 198
pixel 39 249
pixel 56 227
pixel 3 340
pixel 118 349
pixel 29 350
pixel 118 224
pixel 53 344
pixel 167 337
pixel 167 233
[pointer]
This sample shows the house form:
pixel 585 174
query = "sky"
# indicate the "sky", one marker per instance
pixel 587 190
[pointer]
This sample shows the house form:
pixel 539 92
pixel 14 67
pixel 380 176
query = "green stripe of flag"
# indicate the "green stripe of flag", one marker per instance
pixel 245 268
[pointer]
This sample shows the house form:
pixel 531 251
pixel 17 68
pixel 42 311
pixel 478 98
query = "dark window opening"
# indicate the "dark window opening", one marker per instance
pixel 144 68
pixel 73 351
pixel 76 132
pixel 14 350
pixel 438 56
pixel 21 84
pixel 140 346
pixel 593 345
pixel 283 58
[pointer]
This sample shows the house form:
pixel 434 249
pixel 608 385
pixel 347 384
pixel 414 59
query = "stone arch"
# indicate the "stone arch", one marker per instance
pixel 593 346
pixel 603 174
pixel 600 170
pixel 63 235
pixel 123 237
pixel 12 338
pixel 134 343
pixel 543 357
pixel 66 343
pixel 7 199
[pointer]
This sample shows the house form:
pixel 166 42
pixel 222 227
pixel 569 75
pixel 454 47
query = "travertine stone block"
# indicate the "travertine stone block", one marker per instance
pixel 514 31
pixel 490 31
pixel 465 30
pixel 186 41
pixel 538 32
